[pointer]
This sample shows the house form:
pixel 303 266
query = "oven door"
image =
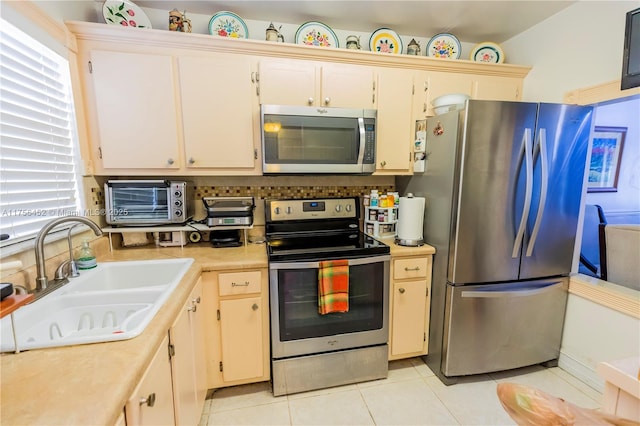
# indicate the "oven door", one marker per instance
pixel 137 202
pixel 317 140
pixel 298 329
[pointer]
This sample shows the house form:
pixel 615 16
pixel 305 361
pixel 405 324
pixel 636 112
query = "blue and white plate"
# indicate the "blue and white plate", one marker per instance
pixel 487 52
pixel 228 24
pixel 444 45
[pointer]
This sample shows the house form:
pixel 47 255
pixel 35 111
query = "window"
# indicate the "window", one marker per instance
pixel 39 157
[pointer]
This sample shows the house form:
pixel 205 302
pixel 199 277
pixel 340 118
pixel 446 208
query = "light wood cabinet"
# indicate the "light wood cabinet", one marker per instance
pixel 410 302
pixel 134 110
pixel 173 390
pixel 236 327
pixel 163 103
pixel 152 401
pixel 403 98
pixel 187 360
pixel 218 111
pixel 310 83
pixel 173 113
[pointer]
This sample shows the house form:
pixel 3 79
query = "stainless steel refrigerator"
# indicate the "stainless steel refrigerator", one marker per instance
pixel 503 188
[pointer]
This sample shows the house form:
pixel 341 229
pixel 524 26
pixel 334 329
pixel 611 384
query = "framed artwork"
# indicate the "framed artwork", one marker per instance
pixel 606 153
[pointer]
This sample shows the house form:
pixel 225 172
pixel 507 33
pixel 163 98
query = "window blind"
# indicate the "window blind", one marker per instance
pixel 39 177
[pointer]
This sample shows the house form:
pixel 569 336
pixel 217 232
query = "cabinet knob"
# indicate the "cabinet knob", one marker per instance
pixel 383 163
pixel 192 308
pixel 310 101
pixel 149 401
pixel 170 161
pixel 254 307
pixel 191 160
pixel 401 290
pixel 327 101
pixel 196 300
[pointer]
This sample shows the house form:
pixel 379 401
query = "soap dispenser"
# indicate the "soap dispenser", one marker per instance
pixel 85 258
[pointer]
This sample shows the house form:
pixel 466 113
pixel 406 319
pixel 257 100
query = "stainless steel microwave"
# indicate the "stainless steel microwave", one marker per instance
pixel 147 202
pixel 306 140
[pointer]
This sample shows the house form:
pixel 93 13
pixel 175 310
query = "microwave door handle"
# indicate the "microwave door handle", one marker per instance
pixel 362 140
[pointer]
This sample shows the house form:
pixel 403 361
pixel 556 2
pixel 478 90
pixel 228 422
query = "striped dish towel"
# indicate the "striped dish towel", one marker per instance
pixel 333 286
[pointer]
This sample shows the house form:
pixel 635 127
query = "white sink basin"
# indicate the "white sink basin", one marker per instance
pixel 114 301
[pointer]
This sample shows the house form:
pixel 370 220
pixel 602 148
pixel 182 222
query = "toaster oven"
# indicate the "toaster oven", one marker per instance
pixel 147 202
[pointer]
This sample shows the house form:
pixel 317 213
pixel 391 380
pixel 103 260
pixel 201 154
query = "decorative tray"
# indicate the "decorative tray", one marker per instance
pixel 228 24
pixel 314 33
pixel 385 40
pixel 444 45
pixel 124 13
pixel 487 52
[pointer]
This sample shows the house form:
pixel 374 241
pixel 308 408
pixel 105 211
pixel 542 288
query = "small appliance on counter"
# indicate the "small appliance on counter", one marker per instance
pixel 410 221
pixel 229 211
pixel 225 238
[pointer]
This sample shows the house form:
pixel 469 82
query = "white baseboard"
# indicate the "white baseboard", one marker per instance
pixel 580 371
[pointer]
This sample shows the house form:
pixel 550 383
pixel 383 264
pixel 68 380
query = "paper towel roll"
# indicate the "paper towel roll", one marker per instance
pixel 410 221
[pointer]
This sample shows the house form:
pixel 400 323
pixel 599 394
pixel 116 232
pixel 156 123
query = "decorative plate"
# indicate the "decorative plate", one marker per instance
pixel 487 52
pixel 125 14
pixel 444 45
pixel 314 33
pixel 385 40
pixel 228 24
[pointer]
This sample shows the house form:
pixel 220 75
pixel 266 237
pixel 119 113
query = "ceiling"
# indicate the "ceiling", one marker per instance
pixel 472 21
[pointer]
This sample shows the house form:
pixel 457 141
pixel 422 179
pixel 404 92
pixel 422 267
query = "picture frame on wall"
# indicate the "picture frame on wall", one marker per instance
pixel 606 153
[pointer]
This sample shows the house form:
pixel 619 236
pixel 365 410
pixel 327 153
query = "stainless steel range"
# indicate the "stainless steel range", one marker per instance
pixel 310 350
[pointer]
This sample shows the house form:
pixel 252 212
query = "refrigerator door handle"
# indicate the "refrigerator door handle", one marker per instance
pixel 544 184
pixel 528 155
pixel 511 293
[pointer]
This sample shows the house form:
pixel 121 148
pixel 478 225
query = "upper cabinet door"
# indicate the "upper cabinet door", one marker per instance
pixel 135 109
pixel 288 82
pixel 395 122
pixel 347 86
pixel 441 83
pixel 218 106
pixel 497 88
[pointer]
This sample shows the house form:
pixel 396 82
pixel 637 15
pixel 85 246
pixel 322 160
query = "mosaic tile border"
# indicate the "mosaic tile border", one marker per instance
pixel 267 192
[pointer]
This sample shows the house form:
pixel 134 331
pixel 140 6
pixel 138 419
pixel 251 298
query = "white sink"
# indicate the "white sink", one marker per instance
pixel 114 301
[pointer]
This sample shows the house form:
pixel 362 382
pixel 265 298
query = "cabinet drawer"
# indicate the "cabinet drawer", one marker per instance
pixel 415 267
pixel 231 283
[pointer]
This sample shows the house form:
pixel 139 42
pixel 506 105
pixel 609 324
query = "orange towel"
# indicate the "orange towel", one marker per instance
pixel 333 286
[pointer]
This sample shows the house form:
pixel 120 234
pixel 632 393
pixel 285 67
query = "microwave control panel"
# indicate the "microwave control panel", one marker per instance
pixel 321 208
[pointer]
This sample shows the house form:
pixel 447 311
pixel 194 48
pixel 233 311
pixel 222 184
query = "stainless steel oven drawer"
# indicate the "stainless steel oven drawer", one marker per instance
pixel 306 373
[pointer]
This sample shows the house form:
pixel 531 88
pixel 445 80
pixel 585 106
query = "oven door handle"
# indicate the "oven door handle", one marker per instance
pixel 311 265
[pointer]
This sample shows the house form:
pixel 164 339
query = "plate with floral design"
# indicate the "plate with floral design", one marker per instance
pixel 228 24
pixel 314 33
pixel 125 14
pixel 385 40
pixel 487 52
pixel 444 45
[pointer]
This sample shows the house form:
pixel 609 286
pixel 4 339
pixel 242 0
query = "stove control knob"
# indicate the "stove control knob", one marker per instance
pixel 338 208
pixel 289 210
pixel 277 210
pixel 348 208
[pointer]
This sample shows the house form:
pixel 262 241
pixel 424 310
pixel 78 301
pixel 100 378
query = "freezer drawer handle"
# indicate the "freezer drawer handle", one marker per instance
pixel 544 184
pixel 528 154
pixel 513 293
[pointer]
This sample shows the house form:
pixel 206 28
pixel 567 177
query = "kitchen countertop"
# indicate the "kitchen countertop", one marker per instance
pixel 90 384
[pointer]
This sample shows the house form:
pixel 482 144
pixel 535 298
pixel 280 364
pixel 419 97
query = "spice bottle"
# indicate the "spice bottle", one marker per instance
pixel 374 198
pixel 85 259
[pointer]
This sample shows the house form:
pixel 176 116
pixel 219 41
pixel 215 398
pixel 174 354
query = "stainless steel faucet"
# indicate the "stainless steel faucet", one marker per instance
pixel 41 279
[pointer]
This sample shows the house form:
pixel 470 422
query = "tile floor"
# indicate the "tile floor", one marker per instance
pixel 410 395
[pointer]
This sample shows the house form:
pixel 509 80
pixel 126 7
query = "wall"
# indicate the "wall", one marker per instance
pixel 577 47
pixel 622 206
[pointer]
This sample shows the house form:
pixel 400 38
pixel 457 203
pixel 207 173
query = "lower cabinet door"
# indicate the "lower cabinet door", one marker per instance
pixel 409 309
pixel 241 335
pixel 152 401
